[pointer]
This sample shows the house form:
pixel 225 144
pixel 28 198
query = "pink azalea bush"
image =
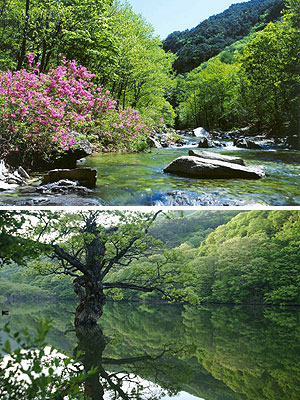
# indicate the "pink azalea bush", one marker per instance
pixel 40 111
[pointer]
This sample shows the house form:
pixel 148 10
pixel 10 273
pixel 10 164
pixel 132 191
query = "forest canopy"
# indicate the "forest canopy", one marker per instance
pixel 217 257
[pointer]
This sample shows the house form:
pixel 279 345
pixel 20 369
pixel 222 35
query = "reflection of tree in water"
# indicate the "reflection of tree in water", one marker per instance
pixel 254 351
pixel 123 382
pixel 215 353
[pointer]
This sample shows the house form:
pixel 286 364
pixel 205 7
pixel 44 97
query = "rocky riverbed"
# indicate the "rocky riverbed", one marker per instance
pixel 138 178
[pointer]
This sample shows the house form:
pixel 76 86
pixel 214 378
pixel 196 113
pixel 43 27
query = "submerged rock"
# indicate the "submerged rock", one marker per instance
pixel 197 167
pixel 189 198
pixel 215 156
pixel 85 176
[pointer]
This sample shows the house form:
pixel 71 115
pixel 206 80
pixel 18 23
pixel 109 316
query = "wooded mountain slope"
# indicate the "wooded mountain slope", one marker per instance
pixel 215 257
pixel 211 36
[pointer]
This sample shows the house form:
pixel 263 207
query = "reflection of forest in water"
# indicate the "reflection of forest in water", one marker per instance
pixel 215 353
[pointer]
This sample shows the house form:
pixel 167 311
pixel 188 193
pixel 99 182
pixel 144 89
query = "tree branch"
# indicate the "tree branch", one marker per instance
pixel 124 251
pixel 63 255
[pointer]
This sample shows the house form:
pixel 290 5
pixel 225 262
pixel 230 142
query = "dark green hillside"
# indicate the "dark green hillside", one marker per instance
pixel 192 228
pixel 211 36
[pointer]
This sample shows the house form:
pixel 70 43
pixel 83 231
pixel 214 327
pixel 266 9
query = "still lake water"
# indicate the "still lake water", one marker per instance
pixel 139 180
pixel 180 352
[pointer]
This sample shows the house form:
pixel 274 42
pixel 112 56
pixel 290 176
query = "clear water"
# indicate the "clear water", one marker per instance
pixel 211 353
pixel 138 179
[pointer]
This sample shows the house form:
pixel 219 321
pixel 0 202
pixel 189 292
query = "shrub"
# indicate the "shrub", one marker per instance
pixel 40 112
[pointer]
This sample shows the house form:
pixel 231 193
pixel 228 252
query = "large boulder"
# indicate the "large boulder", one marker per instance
pixel 197 167
pixel 199 132
pixel 85 176
pixel 215 156
pixel 11 178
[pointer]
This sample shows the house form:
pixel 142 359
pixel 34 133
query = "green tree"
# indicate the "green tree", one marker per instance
pixel 14 247
pixel 210 94
pixel 271 66
pixel 141 76
pixel 47 28
pixel 93 248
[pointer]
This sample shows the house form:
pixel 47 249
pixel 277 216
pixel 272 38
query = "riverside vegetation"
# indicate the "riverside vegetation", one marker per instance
pixel 134 91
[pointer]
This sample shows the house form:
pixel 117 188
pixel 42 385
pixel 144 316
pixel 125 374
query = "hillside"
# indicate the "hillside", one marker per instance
pixel 251 259
pixel 254 258
pixel 211 36
pixel 211 257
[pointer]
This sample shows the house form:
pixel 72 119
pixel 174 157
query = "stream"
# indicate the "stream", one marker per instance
pixel 138 180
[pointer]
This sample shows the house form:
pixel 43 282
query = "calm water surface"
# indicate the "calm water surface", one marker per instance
pixel 173 352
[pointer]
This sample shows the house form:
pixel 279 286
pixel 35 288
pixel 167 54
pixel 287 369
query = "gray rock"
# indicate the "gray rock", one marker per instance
pixel 152 142
pixel 63 186
pixel 23 173
pixel 9 178
pixel 85 176
pixel 198 132
pixel 215 156
pixel 246 144
pixel 205 143
pixel 7 186
pixel 197 167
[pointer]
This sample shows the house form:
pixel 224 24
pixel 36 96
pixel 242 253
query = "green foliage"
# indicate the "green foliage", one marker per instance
pixel 217 352
pixel 141 76
pixel 34 370
pixel 250 260
pixel 192 227
pixel 211 36
pixel 254 81
pixel 209 257
pixel 13 247
pixel 105 36
pixel 270 64
pixel 210 96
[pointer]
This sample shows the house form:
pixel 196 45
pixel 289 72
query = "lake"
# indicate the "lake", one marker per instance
pixel 180 352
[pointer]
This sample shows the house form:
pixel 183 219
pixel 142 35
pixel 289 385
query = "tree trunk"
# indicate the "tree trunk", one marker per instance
pixel 91 301
pixel 91 344
pixel 22 52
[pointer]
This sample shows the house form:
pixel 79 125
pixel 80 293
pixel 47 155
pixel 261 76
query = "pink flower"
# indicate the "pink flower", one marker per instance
pixel 30 58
